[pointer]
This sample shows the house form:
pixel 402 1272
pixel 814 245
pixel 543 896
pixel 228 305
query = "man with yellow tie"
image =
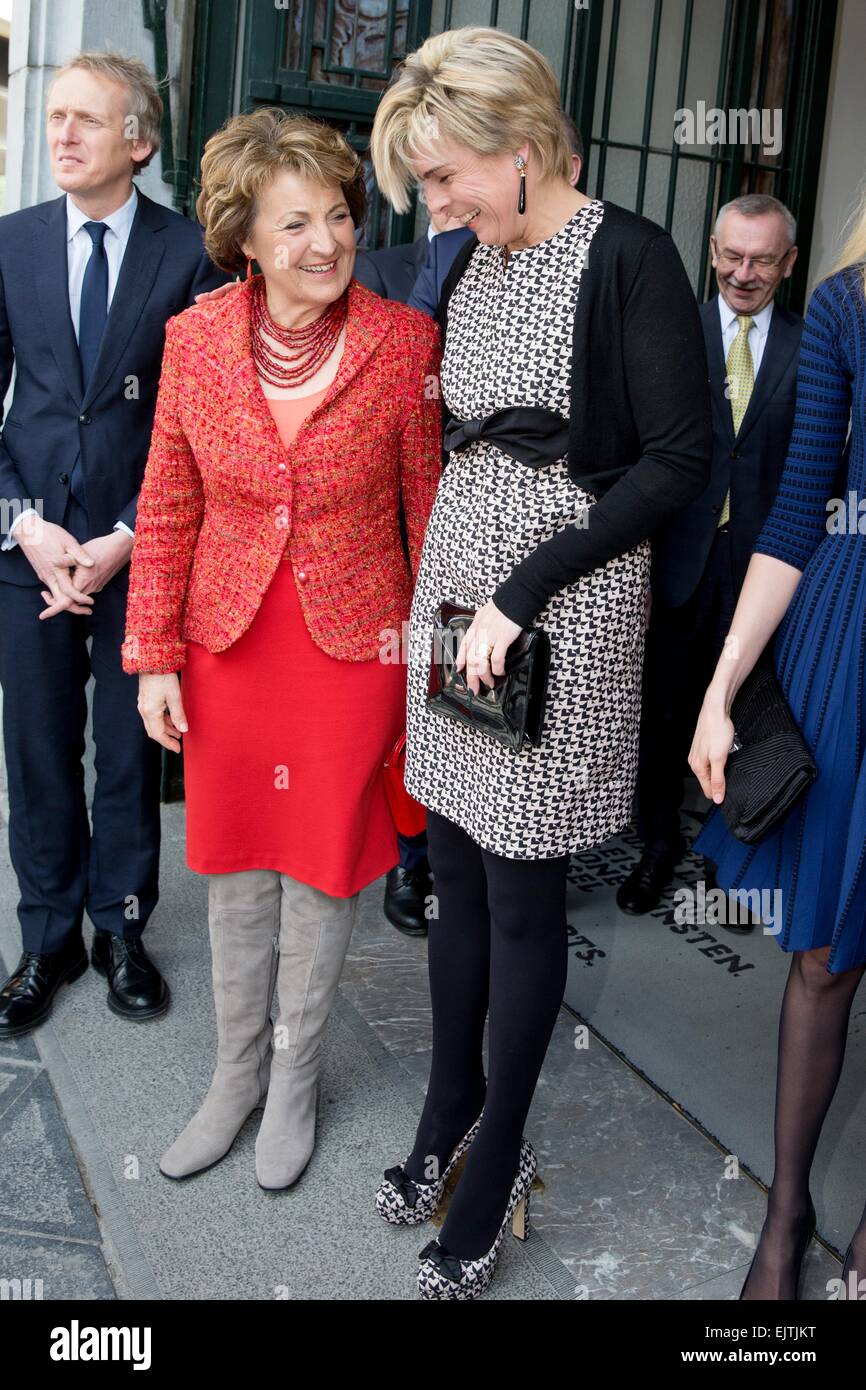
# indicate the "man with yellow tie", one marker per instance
pixel 700 559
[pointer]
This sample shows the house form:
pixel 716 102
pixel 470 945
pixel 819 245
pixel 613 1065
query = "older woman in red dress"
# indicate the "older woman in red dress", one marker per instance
pixel 268 568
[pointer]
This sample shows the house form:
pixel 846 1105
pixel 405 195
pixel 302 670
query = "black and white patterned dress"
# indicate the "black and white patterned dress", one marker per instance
pixel 509 342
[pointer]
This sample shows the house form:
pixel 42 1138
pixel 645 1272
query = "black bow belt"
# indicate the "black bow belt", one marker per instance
pixel 529 433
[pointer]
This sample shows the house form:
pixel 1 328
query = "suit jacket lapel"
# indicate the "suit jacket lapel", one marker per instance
pixel 144 251
pixel 52 292
pixel 420 247
pixel 716 362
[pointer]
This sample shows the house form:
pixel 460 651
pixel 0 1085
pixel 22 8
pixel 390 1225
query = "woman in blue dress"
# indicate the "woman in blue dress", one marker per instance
pixel 806 583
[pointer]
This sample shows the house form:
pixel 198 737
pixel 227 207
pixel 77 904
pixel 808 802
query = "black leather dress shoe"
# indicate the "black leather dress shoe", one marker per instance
pixel 26 997
pixel 135 987
pixel 406 891
pixel 643 889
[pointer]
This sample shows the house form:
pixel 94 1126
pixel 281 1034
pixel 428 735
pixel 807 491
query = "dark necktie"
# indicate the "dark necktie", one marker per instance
pixel 94 300
pixel 91 325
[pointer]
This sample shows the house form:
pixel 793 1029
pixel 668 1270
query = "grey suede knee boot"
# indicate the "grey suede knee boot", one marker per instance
pixel 244 921
pixel 315 930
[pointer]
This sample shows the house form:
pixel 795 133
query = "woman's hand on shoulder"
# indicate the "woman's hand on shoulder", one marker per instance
pixel 482 651
pixel 219 292
pixel 161 708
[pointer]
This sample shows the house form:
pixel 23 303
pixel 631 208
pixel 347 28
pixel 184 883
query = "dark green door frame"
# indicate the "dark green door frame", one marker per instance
pixel 742 83
pixel 262 82
pixel 733 168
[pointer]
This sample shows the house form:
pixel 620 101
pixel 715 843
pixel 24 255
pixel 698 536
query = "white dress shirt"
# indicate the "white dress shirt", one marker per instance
pixel 79 247
pixel 757 333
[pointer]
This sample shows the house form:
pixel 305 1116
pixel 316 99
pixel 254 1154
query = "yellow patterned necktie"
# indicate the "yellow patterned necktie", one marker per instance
pixel 741 380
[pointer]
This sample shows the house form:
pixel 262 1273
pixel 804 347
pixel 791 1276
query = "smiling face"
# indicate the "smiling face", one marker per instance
pixel 303 237
pixel 479 191
pixel 751 257
pixel 445 224
pixel 88 130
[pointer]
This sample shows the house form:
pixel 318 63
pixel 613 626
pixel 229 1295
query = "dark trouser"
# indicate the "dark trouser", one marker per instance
pixel 682 648
pixel 413 850
pixel 62 865
pixel 498 944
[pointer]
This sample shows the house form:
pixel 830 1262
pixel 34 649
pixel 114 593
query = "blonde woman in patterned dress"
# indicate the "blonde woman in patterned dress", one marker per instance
pixel 577 318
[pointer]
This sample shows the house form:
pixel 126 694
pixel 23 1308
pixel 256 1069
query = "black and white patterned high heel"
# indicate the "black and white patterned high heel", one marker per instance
pixel 442 1275
pixel 406 1202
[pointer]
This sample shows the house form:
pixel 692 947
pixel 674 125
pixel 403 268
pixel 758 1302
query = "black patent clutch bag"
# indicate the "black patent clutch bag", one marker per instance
pixel 512 709
pixel 769 766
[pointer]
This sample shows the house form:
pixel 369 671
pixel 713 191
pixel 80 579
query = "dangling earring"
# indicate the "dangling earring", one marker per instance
pixel 249 267
pixel 521 165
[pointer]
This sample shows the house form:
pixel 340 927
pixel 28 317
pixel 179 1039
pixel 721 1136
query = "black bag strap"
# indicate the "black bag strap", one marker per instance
pixel 458 265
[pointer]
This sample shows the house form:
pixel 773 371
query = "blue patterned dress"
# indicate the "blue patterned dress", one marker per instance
pixel 817 857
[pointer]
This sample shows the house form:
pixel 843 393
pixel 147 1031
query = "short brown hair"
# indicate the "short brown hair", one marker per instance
pixel 145 103
pixel 245 154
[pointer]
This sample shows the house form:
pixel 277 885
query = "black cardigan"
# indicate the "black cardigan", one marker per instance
pixel 640 432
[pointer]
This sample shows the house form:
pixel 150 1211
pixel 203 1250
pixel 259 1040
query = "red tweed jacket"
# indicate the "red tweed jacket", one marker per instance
pixel 222 498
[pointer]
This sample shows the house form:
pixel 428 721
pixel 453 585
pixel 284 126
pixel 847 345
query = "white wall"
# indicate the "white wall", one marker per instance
pixel 843 157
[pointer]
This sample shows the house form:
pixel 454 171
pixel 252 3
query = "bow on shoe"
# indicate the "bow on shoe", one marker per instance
pixel 404 1185
pixel 447 1265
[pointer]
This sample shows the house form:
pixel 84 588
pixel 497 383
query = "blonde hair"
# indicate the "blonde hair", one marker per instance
pixel 245 154
pixel 853 251
pixel 145 103
pixel 478 87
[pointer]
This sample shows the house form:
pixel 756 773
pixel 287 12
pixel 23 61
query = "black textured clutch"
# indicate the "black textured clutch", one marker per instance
pixel 769 767
pixel 512 709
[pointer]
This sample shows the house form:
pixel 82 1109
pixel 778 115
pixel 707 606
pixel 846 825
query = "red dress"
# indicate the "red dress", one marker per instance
pixel 284 752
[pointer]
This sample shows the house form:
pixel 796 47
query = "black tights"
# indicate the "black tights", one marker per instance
pixel 813 1030
pixel 498 943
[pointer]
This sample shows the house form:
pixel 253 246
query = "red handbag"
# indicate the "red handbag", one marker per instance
pixel 408 815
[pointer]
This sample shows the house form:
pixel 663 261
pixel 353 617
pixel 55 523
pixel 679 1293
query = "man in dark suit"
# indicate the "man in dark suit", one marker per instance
pixel 700 560
pixel 392 272
pixel 87 282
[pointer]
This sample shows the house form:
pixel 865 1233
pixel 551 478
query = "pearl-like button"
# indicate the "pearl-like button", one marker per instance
pixel 282 467
pixel 302 576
